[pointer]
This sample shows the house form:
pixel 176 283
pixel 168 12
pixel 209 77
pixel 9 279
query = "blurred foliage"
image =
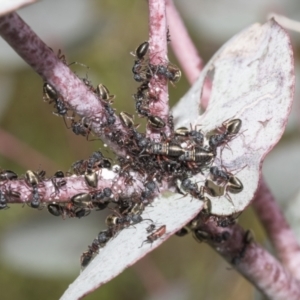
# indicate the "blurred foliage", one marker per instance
pixel 123 25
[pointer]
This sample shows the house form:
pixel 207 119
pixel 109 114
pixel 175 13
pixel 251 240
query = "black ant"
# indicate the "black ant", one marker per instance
pixel 35 201
pixel 229 129
pixel 8 175
pixel 57 181
pixel 3 201
pixel 247 240
pixel 81 128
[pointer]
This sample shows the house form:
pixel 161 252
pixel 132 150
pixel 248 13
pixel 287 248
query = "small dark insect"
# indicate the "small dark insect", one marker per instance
pixel 220 238
pixel 126 119
pixel 3 201
pixel 91 178
pixel 32 178
pixel 104 236
pixel 234 185
pixel 155 235
pixel 156 122
pixel 142 108
pixel 82 212
pixel 118 221
pixel 171 72
pixel 167 149
pixel 182 131
pixel 89 84
pixel 85 258
pixel 59 174
pixel 55 209
pixel 107 192
pixel 183 231
pixel 150 185
pixel 81 128
pixel 8 175
pixel 190 187
pixel 67 210
pixel 247 240
pixel 138 71
pixel 171 122
pixel 217 140
pixel 141 50
pixel 57 181
pixel 79 167
pixel 233 126
pixel 61 108
pixel 197 137
pixel 138 74
pixel 229 129
pixel 36 201
pixel 82 200
pixel 218 190
pixel 50 95
pixel 150 228
pixel 226 221
pixel 100 195
pixel 103 92
pixel 199 155
pixel 111 120
pixel 218 174
pixel 174 74
pixel 93 160
pixel 201 236
pixel 168 36
pixel 142 90
pixel 214 189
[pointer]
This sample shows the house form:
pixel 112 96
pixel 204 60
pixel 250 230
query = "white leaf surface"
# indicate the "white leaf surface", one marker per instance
pixel 253 80
pixel 172 210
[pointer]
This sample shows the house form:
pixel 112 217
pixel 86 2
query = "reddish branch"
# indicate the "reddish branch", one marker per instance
pixel 158 56
pixel 74 185
pixel 252 261
pixel 54 71
pixel 182 45
pixel 279 231
pixel 186 52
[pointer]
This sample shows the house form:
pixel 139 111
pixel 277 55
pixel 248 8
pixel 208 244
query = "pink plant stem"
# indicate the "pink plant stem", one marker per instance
pixel 158 56
pixel 252 261
pixel 182 45
pixel 279 231
pixel 54 71
pixel 74 185
pixel 186 52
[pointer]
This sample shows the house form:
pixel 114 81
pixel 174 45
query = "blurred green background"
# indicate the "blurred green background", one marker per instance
pixel 39 253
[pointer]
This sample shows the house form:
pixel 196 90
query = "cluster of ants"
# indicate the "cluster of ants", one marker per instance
pixel 175 158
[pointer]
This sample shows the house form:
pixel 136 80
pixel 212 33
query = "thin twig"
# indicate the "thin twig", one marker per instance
pixel 252 261
pixel 279 231
pixel 73 186
pixel 186 52
pixel 182 45
pixel 54 71
pixel 158 56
